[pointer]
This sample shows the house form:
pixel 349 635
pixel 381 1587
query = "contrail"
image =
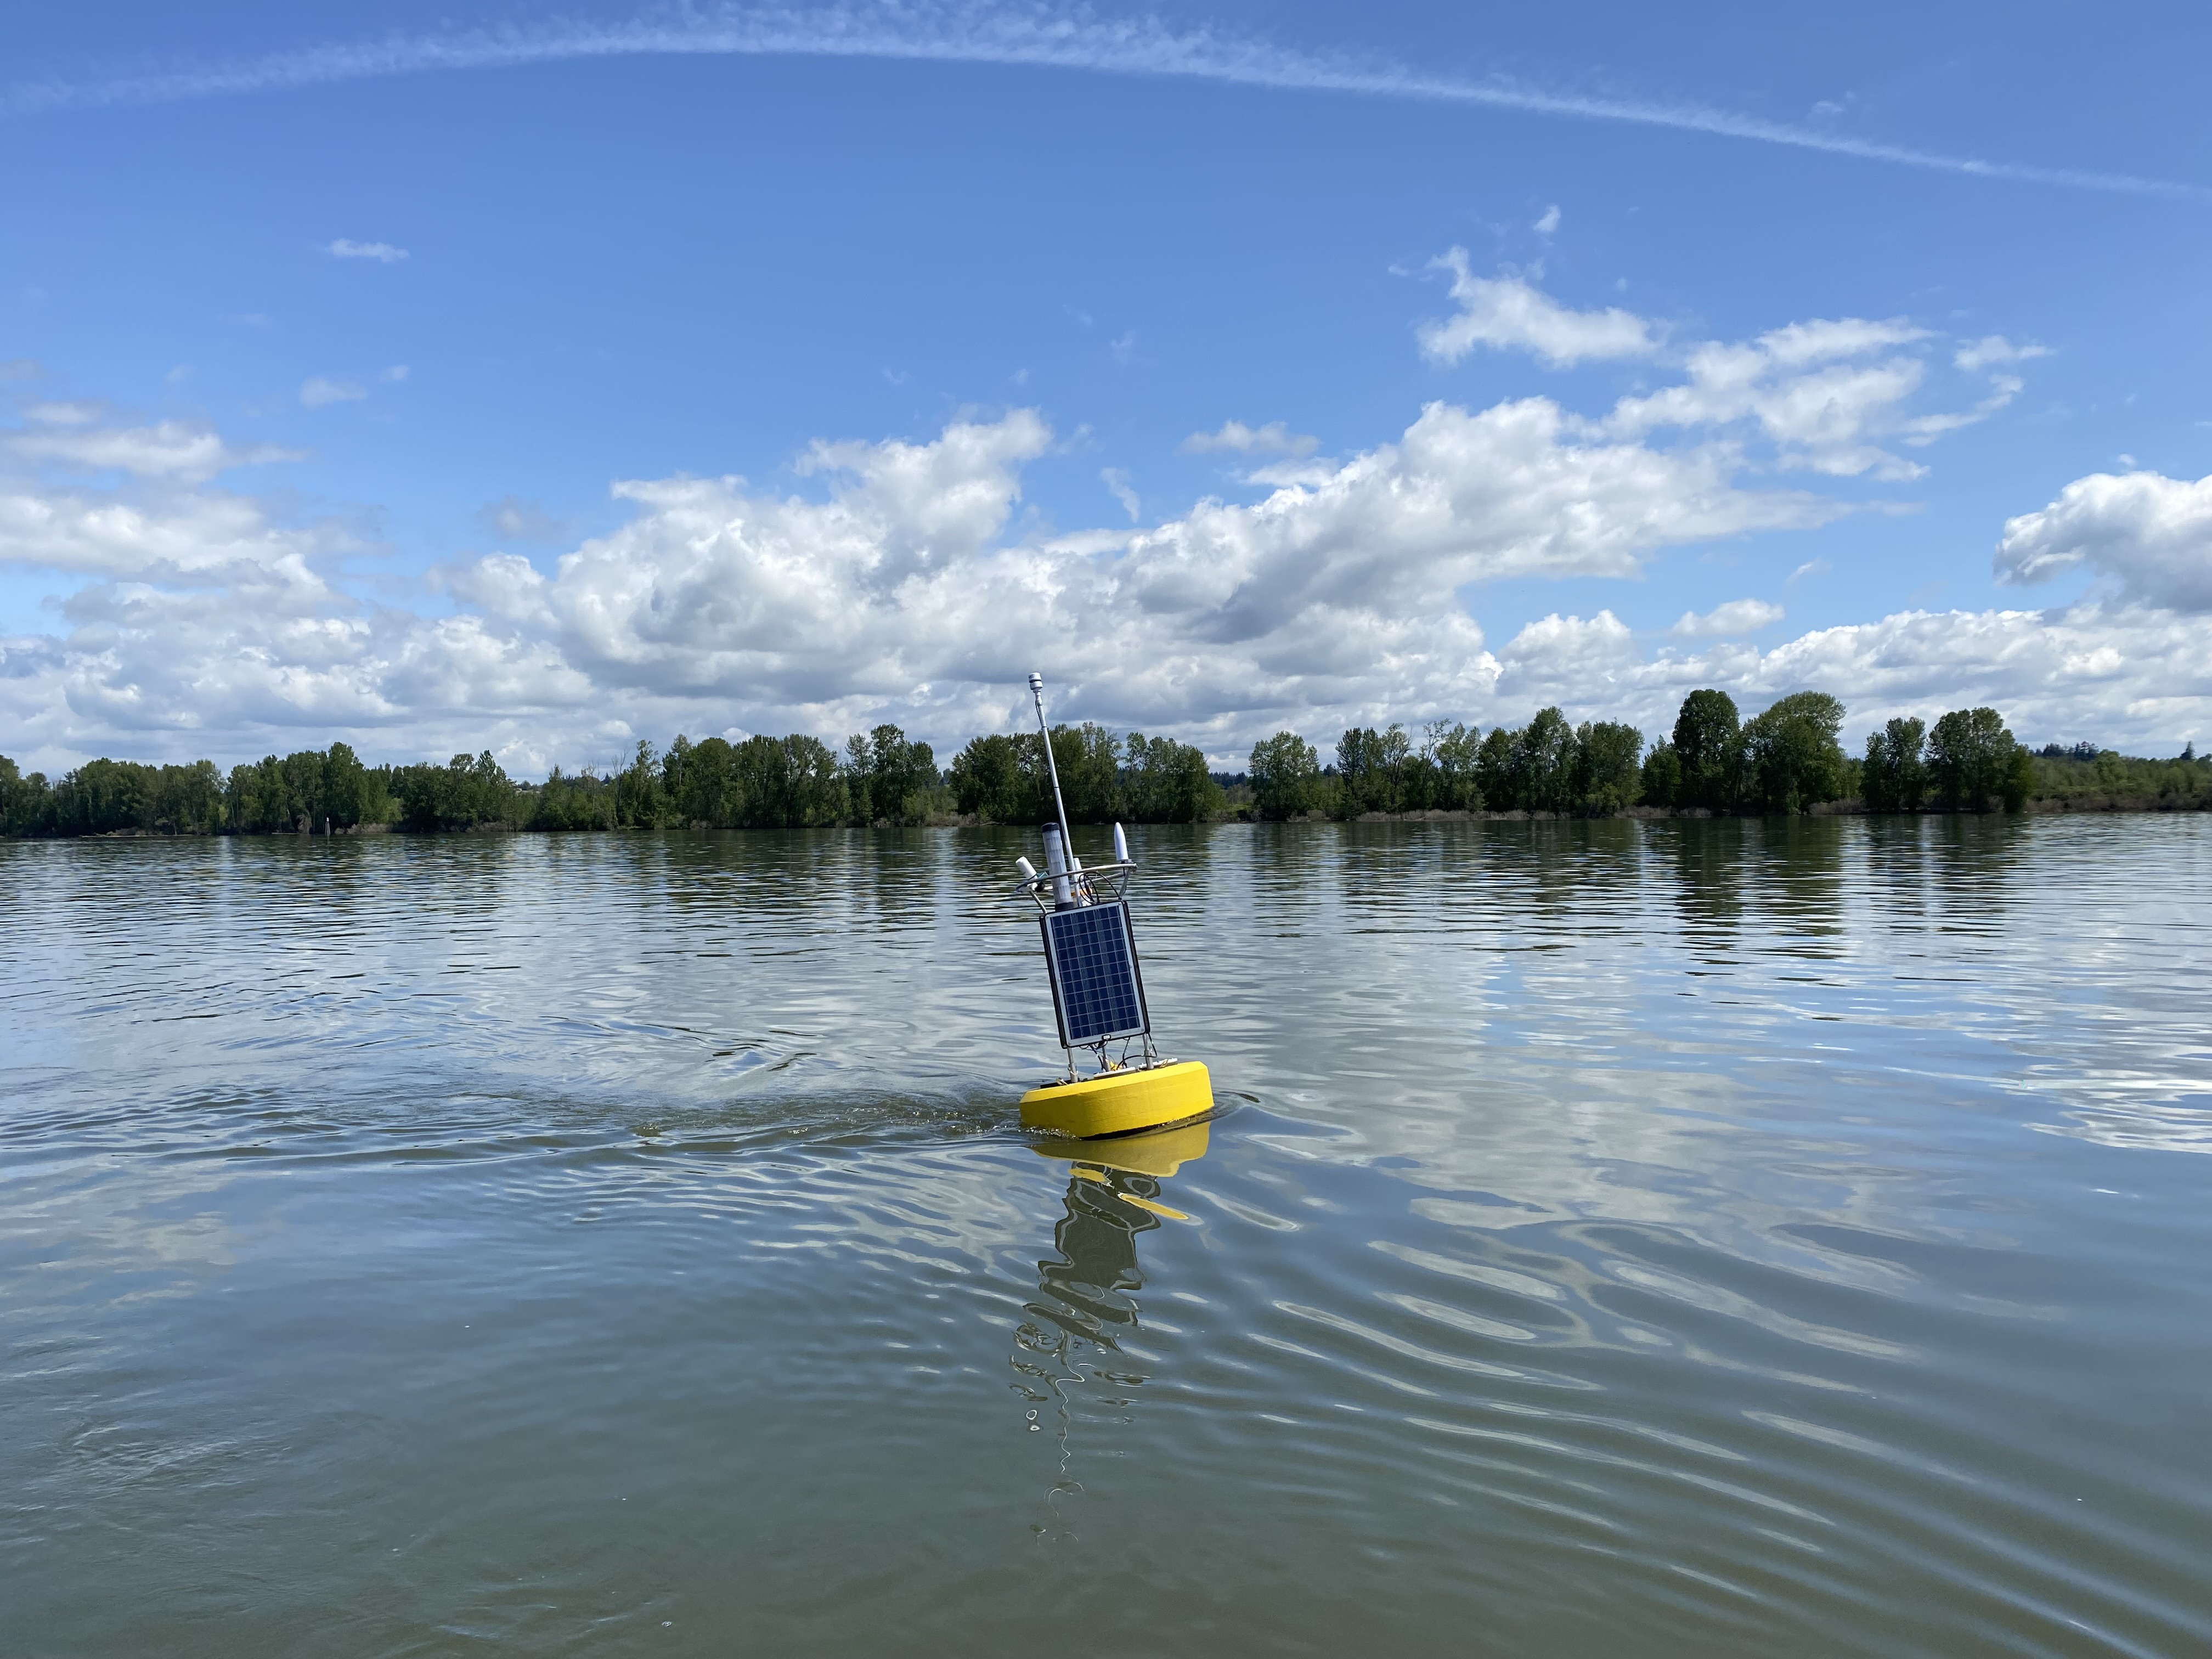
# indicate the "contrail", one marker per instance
pixel 1035 36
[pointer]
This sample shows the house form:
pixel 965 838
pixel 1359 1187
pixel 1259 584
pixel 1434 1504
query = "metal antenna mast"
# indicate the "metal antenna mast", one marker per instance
pixel 1059 807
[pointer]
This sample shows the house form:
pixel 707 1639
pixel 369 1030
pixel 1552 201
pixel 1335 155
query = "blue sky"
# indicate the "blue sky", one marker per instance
pixel 1866 350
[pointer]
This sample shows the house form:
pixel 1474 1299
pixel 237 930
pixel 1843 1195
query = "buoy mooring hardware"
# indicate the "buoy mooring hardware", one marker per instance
pixel 1097 993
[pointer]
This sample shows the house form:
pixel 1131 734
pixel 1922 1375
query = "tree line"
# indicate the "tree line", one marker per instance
pixel 1785 759
pixel 880 777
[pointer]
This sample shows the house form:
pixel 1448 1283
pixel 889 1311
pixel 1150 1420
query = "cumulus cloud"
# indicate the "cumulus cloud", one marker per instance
pixel 383 252
pixel 2149 533
pixel 1549 224
pixel 904 579
pixel 1805 387
pixel 1235 438
pixel 892 590
pixel 1827 394
pixel 318 393
pixel 1731 621
pixel 2126 674
pixel 168 449
pixel 1507 312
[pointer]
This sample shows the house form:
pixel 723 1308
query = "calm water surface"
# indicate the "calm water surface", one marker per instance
pixel 1673 1239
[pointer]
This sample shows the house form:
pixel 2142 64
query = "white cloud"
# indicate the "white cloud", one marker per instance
pixel 512 519
pixel 2123 676
pixel 382 252
pixel 169 449
pixel 1147 47
pixel 194 537
pixel 1810 568
pixel 1730 621
pixel 1509 313
pixel 394 374
pixel 903 581
pixel 893 593
pixel 1549 224
pixel 1238 438
pixel 1826 394
pixel 2151 533
pixel 64 414
pixel 1117 485
pixel 1994 351
pixel 1802 389
pixel 318 392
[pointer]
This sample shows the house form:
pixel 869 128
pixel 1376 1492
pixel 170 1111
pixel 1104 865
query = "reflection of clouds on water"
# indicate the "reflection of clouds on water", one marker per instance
pixel 1657 1200
pixel 2140 1125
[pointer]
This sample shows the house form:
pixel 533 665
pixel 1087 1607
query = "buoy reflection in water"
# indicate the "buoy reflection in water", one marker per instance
pixel 1076 1333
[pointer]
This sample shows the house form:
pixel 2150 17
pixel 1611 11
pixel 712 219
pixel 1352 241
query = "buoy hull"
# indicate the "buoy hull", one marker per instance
pixel 1119 1102
pixel 1152 1152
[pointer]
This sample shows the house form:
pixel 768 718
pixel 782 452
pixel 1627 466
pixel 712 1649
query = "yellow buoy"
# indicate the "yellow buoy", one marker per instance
pixel 1160 1153
pixel 1116 1103
pixel 1097 993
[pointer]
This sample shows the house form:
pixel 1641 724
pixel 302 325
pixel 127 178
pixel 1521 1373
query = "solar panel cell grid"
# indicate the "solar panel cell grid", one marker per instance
pixel 1094 972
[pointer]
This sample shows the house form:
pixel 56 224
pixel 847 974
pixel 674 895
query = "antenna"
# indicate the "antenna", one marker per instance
pixel 1059 807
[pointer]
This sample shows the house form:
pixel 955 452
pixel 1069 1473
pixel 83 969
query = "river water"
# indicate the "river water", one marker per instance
pixel 1700 1238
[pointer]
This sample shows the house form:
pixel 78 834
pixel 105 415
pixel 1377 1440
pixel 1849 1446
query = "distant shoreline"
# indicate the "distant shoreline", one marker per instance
pixel 1840 809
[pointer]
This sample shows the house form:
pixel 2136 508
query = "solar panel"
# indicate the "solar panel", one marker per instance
pixel 1095 987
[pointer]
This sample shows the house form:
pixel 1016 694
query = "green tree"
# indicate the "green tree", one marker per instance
pixel 1607 780
pixel 459 795
pixel 1663 774
pixel 1969 759
pixel 1089 760
pixel 352 795
pixel 987 781
pixel 641 799
pixel 186 800
pixel 1894 779
pixel 818 795
pixel 24 802
pixel 1164 781
pixel 1791 757
pixel 566 803
pixel 1544 764
pixel 1370 771
pixel 1496 780
pixel 1707 744
pixel 890 777
pixel 1453 750
pixel 100 797
pixel 1286 775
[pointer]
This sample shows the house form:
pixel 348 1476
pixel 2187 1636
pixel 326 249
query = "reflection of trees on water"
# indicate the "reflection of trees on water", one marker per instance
pixel 1801 875
pixel 1787 868
pixel 1951 871
pixel 1708 860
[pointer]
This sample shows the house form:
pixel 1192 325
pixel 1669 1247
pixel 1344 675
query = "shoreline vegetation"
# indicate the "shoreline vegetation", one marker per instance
pixel 1785 760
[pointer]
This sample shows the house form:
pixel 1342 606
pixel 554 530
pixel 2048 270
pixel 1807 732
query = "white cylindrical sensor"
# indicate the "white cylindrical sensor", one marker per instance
pixel 1121 846
pixel 1028 870
pixel 1055 862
